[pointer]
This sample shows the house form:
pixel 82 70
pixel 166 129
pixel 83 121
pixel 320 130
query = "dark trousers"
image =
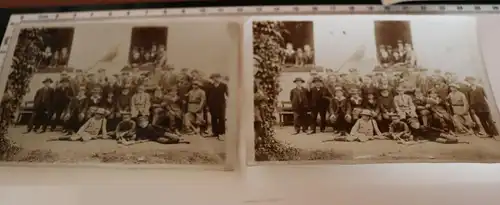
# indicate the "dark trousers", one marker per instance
pixel 340 124
pixel 57 120
pixel 300 120
pixel 218 119
pixel 38 119
pixel 487 122
pixel 204 126
pixel 74 123
pixel 322 115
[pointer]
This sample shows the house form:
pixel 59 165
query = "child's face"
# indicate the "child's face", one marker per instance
pixel 395 119
pixel 126 117
pixel 370 96
pixel 339 93
pixel 365 117
pixel 125 92
pixel 158 92
pixel 433 95
pixel 385 93
pixel 98 116
pixel 143 123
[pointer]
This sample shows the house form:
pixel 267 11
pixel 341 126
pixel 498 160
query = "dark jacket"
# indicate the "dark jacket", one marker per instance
pixel 319 98
pixel 477 99
pixel 43 98
pixel 299 99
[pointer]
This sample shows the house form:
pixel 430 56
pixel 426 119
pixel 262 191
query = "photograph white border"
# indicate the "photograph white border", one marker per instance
pixel 232 159
pixel 247 130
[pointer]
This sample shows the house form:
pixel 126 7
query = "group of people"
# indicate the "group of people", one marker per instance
pixel 298 57
pixel 55 57
pixel 162 103
pixel 404 106
pixel 400 55
pixel 140 56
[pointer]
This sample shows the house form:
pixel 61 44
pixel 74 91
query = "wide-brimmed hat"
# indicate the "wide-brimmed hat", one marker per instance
pixel 469 78
pixel 366 112
pixel 454 85
pixel 215 75
pixel 123 113
pixel 100 111
pixel 392 114
pixel 317 80
pixel 400 88
pixel 298 79
pixel 47 80
pixel 142 117
pixel 198 83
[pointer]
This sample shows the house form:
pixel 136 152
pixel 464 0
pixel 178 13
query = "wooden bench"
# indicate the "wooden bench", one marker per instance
pixel 25 109
pixel 284 109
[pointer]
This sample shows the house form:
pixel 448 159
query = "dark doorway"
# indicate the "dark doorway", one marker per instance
pixel 148 43
pixel 298 43
pixel 299 33
pixel 388 33
pixel 394 43
pixel 57 47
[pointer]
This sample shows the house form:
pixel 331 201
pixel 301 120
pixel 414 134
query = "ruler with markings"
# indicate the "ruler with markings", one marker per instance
pixel 240 11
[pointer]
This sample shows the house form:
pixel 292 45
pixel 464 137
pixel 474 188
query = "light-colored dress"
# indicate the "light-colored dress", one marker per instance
pixel 91 130
pixel 364 130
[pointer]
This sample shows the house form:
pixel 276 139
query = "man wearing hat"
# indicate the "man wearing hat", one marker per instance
pixel 196 101
pixel 61 99
pixel 299 100
pixel 42 104
pixel 479 106
pixel 460 108
pixel 217 95
pixel 319 102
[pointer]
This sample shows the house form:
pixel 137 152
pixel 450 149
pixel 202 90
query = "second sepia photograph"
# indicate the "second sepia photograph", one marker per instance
pixel 371 89
pixel 124 92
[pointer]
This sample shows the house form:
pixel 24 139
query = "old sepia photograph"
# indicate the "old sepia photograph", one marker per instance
pixel 125 93
pixel 380 89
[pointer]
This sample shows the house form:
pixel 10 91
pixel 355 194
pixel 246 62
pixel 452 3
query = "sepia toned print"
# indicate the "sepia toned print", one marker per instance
pixel 380 90
pixel 133 93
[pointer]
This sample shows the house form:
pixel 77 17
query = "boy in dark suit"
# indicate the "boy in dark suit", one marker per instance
pixel 298 98
pixel 42 104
